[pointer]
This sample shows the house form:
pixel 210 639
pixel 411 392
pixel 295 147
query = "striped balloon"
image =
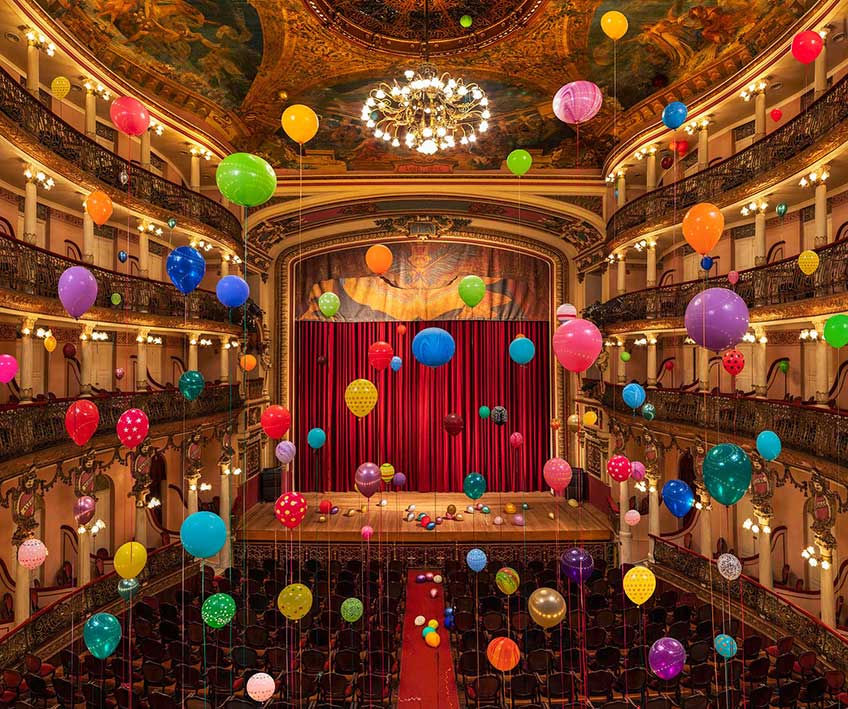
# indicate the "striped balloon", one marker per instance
pixel 577 102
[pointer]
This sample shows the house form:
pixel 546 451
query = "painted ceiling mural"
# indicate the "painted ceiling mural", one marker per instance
pixel 253 59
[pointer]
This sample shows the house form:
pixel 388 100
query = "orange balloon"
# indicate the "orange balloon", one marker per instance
pixel 503 654
pixel 99 207
pixel 378 258
pixel 433 639
pixel 247 362
pixel 702 227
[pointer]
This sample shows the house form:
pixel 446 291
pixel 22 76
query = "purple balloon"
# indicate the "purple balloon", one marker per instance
pixel 285 452
pixel 667 658
pixel 577 102
pixel 77 290
pixel 637 470
pixel 716 319
pixel 84 509
pixel 399 480
pixel 577 564
pixel 367 479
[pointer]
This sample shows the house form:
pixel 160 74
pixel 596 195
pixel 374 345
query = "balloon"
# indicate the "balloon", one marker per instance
pixel 8 368
pixel 472 289
pixel 360 397
pixel 453 424
pixel 619 468
pixel 186 268
pixel 380 355
pixel 808 262
pixel 316 438
pixel 294 601
pixel 396 363
pixel 433 347
pixel 300 123
pixel 172 223
pixel 474 486
pixel 203 534
pixel 614 24
pixel 729 567
pixel 484 411
pixel 666 162
pixel 98 205
pixel 246 179
pixel 276 421
pixel 399 480
pixel 123 256
pixel 102 633
pixel 674 114
pixel 637 471
pixel 69 350
pixel 678 497
pixel 516 440
pixel 191 384
pixel 232 291
pixel 725 646
pixel 129 116
pixel 806 46
pixel 81 421
pixel 84 509
pixel 115 298
pixel 577 101
pixel 290 509
pixel 706 263
pixel 577 344
pixel 378 258
pixel 218 610
pixel 286 451
pixel 367 479
pixel 476 560
pixel 387 473
pixel 649 411
pixel 247 362
pixel 682 147
pixel 633 395
pixel 128 588
pixel 366 532
pixel 565 312
pixel 32 553
pixel 433 639
pixel 507 580
pixel 733 362
pixel 260 687
pixel 119 373
pixel 577 564
pixel 716 318
pixel 768 445
pixel 624 356
pixel 783 366
pixel 546 607
pixel 632 518
pixel 781 209
pixel 733 277
pixel 352 609
pixel 60 87
pixel 503 653
pixel 835 331
pixel 130 559
pixel 132 427
pixel 666 658
pixel 727 472
pixel 519 162
pixel 465 21
pixel 702 227
pixel 522 350
pixel 50 343
pixel 77 290
pixel 590 418
pixel 639 584
pixel 328 304
pixel 557 473
pixel 776 114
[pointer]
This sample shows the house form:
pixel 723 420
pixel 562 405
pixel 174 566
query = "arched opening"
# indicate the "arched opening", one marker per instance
pixel 159 485
pixel 104 491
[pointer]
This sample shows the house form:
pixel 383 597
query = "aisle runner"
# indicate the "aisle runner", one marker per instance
pixel 426 674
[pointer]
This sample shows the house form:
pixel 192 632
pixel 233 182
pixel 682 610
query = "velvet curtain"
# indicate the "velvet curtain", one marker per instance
pixel 406 426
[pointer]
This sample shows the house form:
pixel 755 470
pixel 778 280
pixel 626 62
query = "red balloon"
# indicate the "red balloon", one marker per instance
pixel 557 474
pixel 276 421
pixel 69 350
pixel 132 427
pixel 667 162
pixel 776 114
pixel 290 509
pixel 619 468
pixel 733 362
pixel 129 115
pixel 577 344
pixel 425 520
pixel 682 147
pixel 401 329
pixel 81 421
pixel 669 365
pixel 325 507
pixel 453 424
pixel 380 355
pixel 806 46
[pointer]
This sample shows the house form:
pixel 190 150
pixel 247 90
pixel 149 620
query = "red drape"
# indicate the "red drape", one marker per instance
pixel 405 428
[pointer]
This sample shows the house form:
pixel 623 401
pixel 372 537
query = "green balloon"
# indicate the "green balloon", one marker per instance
pixel 727 473
pixel 102 633
pixel 781 209
pixel 484 412
pixel 191 384
pixel 519 162
pixel 115 298
pixel 625 356
pixel 474 485
pixel 246 179
pixel 128 588
pixel 427 630
pixel 328 304
pixel 465 21
pixel 471 290
pixel 836 331
pixel 784 366
pixel 218 610
pixel 649 412
pixel 352 609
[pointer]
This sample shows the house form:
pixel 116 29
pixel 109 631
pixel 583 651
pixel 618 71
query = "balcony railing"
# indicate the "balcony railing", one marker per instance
pixel 54 134
pixel 773 284
pixel 254 388
pixel 810 430
pixel 28 428
pixel 757 163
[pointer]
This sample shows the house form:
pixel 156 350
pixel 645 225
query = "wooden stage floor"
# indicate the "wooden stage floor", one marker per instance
pixel 584 523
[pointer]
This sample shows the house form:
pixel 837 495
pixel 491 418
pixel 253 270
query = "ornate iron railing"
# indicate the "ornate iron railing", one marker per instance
pixel 759 603
pixel 54 134
pixel 27 428
pixel 811 430
pixel 757 161
pixel 254 389
pixel 775 283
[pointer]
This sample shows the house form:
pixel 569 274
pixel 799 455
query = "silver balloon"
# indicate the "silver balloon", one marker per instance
pixel 729 566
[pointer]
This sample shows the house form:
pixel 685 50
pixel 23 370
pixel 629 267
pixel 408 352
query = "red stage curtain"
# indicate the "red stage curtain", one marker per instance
pixel 405 428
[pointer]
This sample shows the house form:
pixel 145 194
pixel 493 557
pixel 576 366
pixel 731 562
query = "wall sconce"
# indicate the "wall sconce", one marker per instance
pixel 752 89
pixel 151 340
pixel 614 175
pixel 36 39
pixel 156 126
pixel 749 337
pixel 150 228
pixel 232 344
pixel 643 244
pixel 201 245
pixel 39 177
pixel 689 341
pixel 814 559
pixel 612 258
pixel 41 332
pixel 231 258
pixel 96 88
pixel 755 528
pixel 200 152
pixel 153 503
pixel 754 207
pixel 231 471
pixel 98 336
pixel 694 126
pixel 809 335
pixel 642 153
pixel 815 177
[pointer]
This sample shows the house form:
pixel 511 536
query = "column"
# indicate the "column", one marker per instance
pixel 141 531
pixel 821 213
pixel 30 211
pixel 225 558
pixel 32 79
pixel 225 266
pixel 25 361
pixel 703 147
pixel 194 180
pixel 193 338
pixel 828 604
pixel 759 115
pixel 621 275
pixel 85 357
pixel 224 360
pixel 651 169
pixel 620 364
pixel 83 557
pixel 652 360
pixel 823 373
pixel 145 149
pixel 703 369
pixel 621 189
pixel 820 80
pixel 87 238
pixel 192 483
pixel 624 533
pixel 759 238
pixel 766 573
pixel 22 583
pixel 141 361
pixel 705 527
pixel 651 266
pixel 758 375
pixel 143 253
pixel 90 113
pixel 653 512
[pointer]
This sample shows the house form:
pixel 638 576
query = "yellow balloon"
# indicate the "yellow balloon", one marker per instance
pixel 546 607
pixel 387 472
pixel 808 262
pixel 295 601
pixel 614 24
pixel 130 560
pixel 590 418
pixel 360 397
pixel 639 584
pixel 300 123
pixel 50 343
pixel 59 87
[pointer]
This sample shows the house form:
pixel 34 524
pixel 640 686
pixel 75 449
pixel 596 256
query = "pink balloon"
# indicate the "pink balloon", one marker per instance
pixel 129 115
pixel 577 344
pixel 8 368
pixel 367 479
pixel 518 519
pixel 733 277
pixel 132 427
pixel 619 468
pixel 632 518
pixel 119 373
pixel 367 532
pixel 557 474
pixel 516 440
pixel 637 471
pixel 577 102
pixel 32 553
pixel 84 509
pixel 260 687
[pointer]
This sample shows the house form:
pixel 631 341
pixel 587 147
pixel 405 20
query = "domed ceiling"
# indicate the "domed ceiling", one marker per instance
pixel 238 64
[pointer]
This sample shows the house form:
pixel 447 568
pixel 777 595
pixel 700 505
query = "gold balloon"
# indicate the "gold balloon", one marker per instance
pixel 639 584
pixel 509 508
pixel 614 24
pixel 451 509
pixel 300 123
pixel 59 87
pixel 808 262
pixel 360 397
pixel 590 418
pixel 295 601
pixel 50 343
pixel 130 559
pixel 547 607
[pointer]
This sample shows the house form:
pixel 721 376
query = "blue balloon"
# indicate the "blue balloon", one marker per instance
pixel 725 646
pixel 476 560
pixel 433 347
pixel 102 633
pixel 633 395
pixel 232 291
pixel 674 114
pixel 123 256
pixel 706 263
pixel 396 363
pixel 522 350
pixel 316 438
pixel 203 534
pixel 678 497
pixel 768 445
pixel 186 268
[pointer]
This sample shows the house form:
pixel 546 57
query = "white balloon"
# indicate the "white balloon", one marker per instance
pixel 419 620
pixel 437 578
pixel 729 566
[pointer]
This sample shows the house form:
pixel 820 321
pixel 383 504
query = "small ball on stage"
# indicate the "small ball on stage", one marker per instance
pixel 485 509
pixel 509 508
pixel 439 520
pixel 420 578
pixel 434 592
pixel 383 503
pixel 325 507
pixel 525 506
pixel 551 515
pixel 498 520
pixel 429 575
pixel 425 522
pixel 431 526
pixel 470 509
pixel 410 516
pixel 518 520
pixel 451 509
pixel 411 508
pixel 478 506
pixel 459 517
pixel 322 518
pixel 334 510
pixel 437 578
pixel 419 620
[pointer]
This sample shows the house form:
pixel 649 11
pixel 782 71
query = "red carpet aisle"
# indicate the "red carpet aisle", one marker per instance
pixel 426 674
